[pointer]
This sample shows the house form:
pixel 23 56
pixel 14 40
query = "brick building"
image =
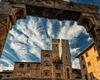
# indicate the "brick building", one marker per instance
pixel 90 63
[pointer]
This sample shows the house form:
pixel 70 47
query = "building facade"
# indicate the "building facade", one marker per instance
pixel 5 73
pixel 90 63
pixel 55 65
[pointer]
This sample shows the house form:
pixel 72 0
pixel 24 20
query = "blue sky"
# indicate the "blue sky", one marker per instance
pixel 30 35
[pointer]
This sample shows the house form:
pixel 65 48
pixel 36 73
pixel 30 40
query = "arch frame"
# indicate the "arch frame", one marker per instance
pixel 9 13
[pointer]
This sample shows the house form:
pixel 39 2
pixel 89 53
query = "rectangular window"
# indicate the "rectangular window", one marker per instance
pixel 94 48
pixel 0 77
pixel 89 63
pixel 82 57
pixel 46 73
pixel 66 57
pixel 86 54
pixel 57 67
pixel 86 77
pixel 21 66
pixel 28 65
pixel 84 66
pixel 98 58
pixel 91 76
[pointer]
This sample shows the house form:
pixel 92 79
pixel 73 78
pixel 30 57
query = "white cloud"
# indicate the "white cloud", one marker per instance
pixel 74 50
pixel 30 36
pixel 50 29
pixel 76 64
pixel 67 0
pixel 74 31
pixel 71 32
pixel 2 67
pixel 89 39
pixel 74 53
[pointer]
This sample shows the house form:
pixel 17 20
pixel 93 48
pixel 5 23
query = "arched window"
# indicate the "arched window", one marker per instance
pixel 68 76
pixel 46 73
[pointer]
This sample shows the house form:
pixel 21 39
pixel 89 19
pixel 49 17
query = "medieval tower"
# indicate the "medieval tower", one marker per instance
pixel 55 63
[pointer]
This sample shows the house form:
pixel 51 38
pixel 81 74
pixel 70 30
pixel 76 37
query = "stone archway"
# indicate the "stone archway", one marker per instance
pixel 85 15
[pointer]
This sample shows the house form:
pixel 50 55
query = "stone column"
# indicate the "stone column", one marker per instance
pixel 5 26
pixel 9 13
pixel 91 22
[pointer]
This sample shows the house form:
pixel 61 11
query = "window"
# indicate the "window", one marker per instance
pixel 66 57
pixel 82 58
pixel 37 65
pixel 86 76
pixel 91 76
pixel 0 77
pixel 89 63
pixel 28 65
pixel 46 73
pixel 21 66
pixel 84 66
pixel 68 76
pixel 98 58
pixel 86 54
pixel 8 76
pixel 58 67
pixel 56 45
pixel 94 48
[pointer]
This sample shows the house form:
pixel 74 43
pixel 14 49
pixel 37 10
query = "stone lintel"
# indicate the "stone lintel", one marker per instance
pixel 60 11
pixel 54 9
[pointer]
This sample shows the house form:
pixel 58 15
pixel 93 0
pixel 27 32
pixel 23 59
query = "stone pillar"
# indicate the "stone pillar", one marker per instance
pixel 91 23
pixel 9 13
pixel 5 26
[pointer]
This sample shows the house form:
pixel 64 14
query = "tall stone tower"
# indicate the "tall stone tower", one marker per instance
pixel 55 63
pixel 55 49
pixel 65 56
